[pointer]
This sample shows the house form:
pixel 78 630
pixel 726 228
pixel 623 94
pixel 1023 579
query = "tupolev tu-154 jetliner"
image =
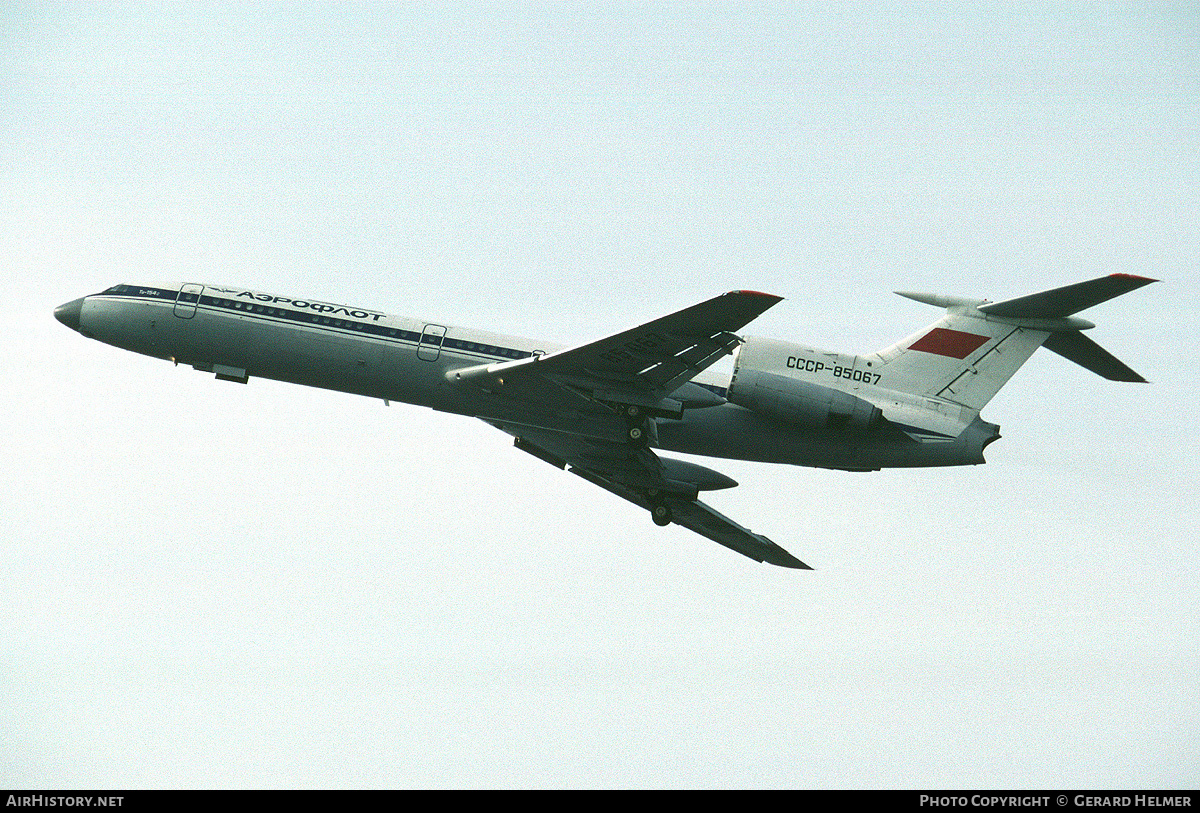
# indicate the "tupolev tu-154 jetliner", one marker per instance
pixel 602 410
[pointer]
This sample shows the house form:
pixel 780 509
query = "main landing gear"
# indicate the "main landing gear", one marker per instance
pixel 639 429
pixel 637 426
pixel 660 512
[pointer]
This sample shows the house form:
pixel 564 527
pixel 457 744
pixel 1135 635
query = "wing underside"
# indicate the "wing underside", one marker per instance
pixel 614 390
pixel 665 487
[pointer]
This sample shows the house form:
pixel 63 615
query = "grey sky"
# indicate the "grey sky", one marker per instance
pixel 213 585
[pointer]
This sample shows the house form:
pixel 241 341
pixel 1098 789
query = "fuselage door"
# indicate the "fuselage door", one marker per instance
pixel 431 343
pixel 185 301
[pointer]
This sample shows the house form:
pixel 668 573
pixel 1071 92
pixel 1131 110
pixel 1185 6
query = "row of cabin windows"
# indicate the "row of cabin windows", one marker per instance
pixel 316 319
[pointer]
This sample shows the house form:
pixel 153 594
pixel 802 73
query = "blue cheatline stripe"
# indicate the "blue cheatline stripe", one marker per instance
pixel 275 312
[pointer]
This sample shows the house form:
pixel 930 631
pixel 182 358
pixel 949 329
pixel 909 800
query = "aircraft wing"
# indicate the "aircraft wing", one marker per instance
pixel 666 487
pixel 642 366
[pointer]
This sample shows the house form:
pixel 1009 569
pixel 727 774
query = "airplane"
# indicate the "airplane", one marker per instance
pixel 605 409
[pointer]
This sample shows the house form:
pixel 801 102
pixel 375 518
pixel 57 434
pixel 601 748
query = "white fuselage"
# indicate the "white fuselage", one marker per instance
pixel 238 333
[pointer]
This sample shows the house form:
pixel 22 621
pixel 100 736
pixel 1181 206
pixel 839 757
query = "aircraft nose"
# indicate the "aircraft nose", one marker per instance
pixel 68 313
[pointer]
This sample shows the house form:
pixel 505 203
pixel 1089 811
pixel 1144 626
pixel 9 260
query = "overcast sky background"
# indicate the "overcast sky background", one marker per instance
pixel 214 585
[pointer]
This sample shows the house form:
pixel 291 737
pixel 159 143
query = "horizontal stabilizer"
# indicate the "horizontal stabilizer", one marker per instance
pixel 1078 348
pixel 1067 300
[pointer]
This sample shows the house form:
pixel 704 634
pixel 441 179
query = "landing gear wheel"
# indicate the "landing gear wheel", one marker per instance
pixel 660 512
pixel 637 436
pixel 632 413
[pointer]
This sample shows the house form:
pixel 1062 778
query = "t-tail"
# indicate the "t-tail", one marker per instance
pixel 928 388
pixel 972 351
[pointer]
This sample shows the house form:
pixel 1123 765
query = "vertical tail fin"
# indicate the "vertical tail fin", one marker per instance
pixel 977 346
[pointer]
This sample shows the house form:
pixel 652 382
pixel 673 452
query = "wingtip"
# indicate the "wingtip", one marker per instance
pixel 1138 277
pixel 747 292
pixel 782 558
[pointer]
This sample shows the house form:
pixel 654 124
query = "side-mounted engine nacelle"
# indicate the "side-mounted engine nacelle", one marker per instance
pixel 800 402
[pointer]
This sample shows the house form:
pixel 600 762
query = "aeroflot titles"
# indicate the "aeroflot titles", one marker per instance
pixel 320 307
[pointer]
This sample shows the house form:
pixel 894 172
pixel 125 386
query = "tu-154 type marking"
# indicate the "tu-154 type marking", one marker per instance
pixel 604 410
